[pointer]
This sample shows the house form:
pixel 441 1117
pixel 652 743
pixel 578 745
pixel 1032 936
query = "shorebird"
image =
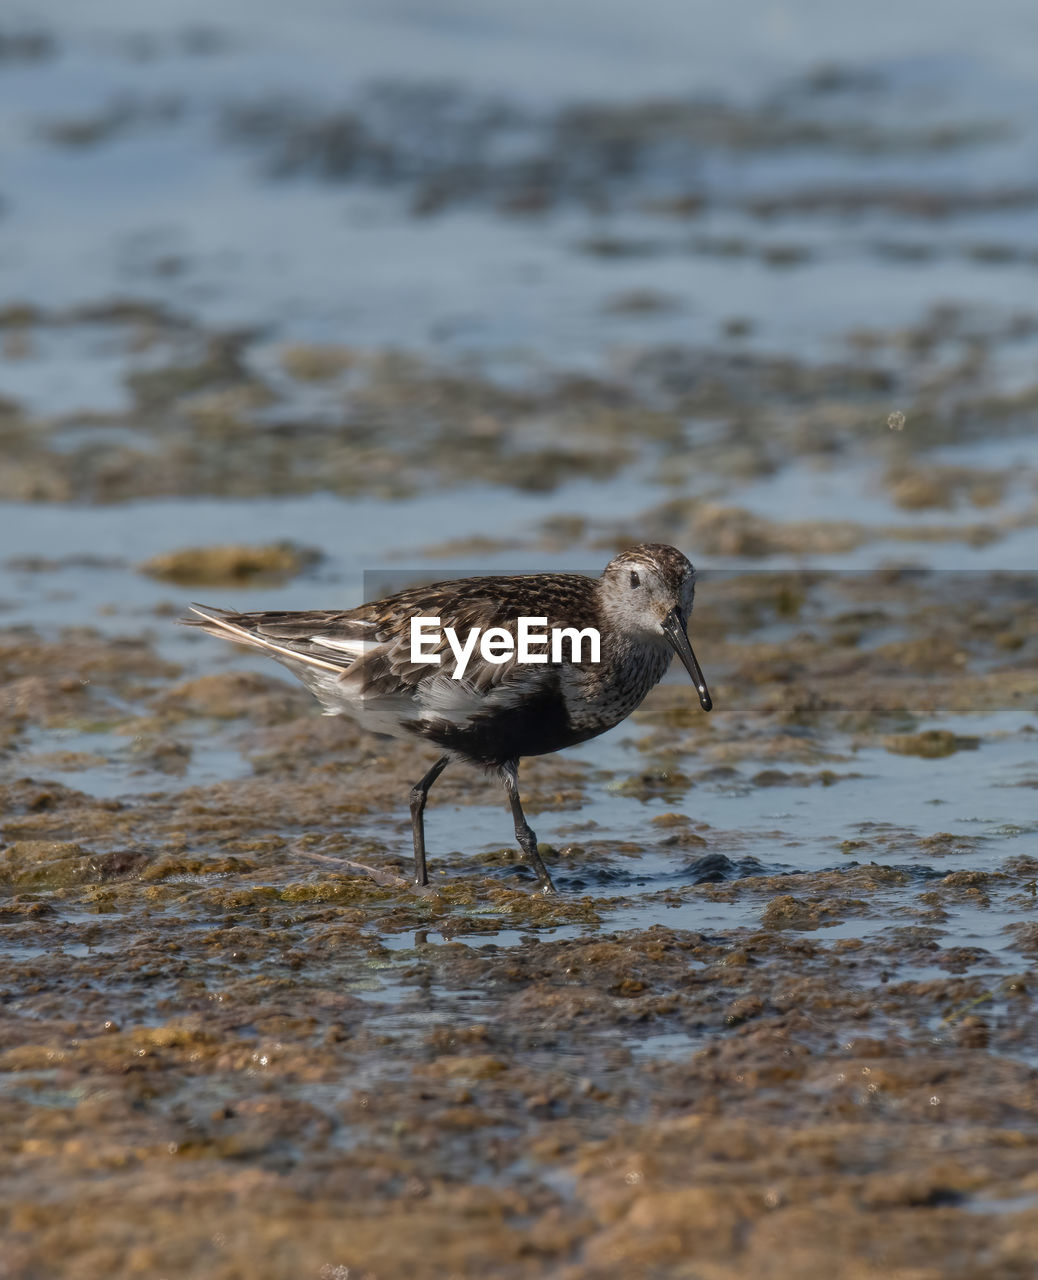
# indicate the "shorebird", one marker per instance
pixel 362 663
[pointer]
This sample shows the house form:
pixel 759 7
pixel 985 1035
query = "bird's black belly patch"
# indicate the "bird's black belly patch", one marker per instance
pixel 536 726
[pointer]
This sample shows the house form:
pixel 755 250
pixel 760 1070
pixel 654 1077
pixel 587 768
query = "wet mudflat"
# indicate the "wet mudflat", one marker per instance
pixel 769 1015
pixel 780 1019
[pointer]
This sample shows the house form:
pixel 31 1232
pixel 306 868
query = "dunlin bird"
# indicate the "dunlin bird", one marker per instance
pixel 364 663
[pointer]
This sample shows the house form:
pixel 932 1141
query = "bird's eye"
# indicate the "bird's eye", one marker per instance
pixel 635 580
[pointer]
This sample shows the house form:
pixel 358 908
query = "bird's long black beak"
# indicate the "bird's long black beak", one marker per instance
pixel 675 629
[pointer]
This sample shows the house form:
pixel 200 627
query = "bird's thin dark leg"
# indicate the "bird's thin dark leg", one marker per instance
pixel 419 795
pixel 527 840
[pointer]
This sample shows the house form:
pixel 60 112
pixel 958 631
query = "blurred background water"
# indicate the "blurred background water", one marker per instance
pixel 527 194
pixel 152 139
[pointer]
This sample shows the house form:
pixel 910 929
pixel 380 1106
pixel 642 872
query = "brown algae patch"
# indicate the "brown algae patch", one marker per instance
pixel 231 566
pixel 317 362
pixel 918 488
pixel 934 744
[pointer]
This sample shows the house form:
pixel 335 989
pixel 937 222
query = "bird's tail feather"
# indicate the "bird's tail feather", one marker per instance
pixel 228 625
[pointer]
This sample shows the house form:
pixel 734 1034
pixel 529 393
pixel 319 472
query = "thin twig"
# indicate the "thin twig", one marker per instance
pixel 347 864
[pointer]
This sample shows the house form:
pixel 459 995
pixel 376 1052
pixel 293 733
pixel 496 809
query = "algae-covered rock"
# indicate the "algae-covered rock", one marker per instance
pixel 229 694
pixel 731 531
pixel 47 864
pixel 934 744
pixel 231 565
pixel 788 912
pixel 317 362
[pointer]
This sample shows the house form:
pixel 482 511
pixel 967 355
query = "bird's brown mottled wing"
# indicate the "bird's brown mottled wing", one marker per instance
pixel 482 603
pixel 369 647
